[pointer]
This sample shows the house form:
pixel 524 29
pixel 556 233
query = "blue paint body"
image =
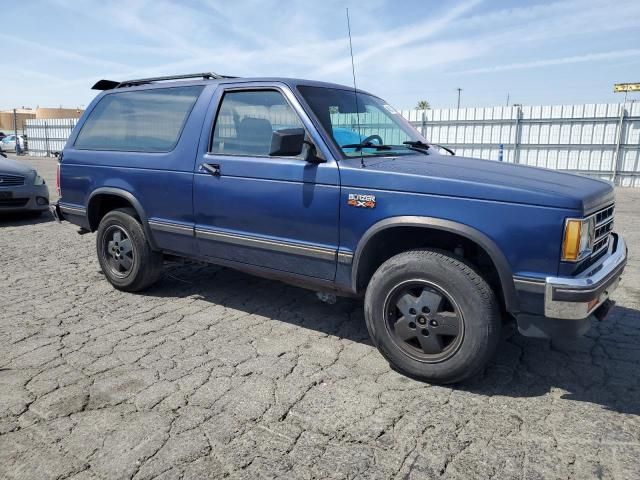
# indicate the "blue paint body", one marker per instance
pixel 518 211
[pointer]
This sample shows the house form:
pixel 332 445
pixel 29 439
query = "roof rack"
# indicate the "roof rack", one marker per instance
pixel 110 84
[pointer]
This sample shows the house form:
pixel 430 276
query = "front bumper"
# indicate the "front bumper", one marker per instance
pixel 574 298
pixel 565 305
pixel 28 198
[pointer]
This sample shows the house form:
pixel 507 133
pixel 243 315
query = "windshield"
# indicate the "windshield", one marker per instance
pixel 373 128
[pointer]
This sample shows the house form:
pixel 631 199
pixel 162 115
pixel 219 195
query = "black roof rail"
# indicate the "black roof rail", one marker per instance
pixel 110 84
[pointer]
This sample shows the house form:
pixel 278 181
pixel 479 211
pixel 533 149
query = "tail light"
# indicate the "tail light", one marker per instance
pixel 58 180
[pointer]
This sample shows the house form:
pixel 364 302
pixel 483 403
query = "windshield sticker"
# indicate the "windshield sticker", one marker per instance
pixel 390 109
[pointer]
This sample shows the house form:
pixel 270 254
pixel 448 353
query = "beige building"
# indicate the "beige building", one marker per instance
pixel 22 114
pixel 43 112
pixel 7 119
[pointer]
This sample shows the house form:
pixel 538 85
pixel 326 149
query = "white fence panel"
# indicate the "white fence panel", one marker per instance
pixel 47 136
pixel 602 140
pixel 595 139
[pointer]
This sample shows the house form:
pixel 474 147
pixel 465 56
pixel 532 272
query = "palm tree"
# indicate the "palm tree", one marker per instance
pixel 423 105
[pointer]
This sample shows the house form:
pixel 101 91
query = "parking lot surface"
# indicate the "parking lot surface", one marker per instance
pixel 213 373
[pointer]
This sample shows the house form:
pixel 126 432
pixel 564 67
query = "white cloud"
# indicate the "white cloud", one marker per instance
pixel 137 38
pixel 590 57
pixel 376 44
pixel 227 36
pixel 64 54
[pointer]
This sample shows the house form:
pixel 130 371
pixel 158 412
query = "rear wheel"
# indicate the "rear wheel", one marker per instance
pixel 125 256
pixel 432 316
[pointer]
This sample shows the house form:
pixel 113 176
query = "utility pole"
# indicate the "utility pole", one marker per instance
pixel 459 90
pixel 507 99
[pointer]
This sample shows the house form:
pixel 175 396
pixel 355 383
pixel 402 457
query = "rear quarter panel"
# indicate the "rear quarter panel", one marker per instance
pixel 161 182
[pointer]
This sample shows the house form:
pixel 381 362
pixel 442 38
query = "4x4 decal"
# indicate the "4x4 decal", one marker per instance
pixel 362 201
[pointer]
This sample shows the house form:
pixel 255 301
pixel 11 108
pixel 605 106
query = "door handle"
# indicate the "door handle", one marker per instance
pixel 212 168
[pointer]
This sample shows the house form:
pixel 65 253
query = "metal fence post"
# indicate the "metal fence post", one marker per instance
pixel 516 140
pixel 424 124
pixel 616 153
pixel 46 139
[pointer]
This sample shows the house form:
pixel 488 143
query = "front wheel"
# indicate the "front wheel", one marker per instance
pixel 125 256
pixel 432 316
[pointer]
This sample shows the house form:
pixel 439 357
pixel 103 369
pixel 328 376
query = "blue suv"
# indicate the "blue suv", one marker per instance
pixel 332 189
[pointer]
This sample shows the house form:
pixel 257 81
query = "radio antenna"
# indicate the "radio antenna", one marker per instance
pixel 355 89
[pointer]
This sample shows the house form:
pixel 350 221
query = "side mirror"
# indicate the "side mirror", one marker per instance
pixel 287 142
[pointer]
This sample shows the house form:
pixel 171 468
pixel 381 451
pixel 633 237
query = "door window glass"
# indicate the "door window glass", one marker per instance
pixel 246 122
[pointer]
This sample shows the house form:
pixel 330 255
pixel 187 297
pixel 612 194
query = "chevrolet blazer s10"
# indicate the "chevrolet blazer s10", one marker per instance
pixel 331 189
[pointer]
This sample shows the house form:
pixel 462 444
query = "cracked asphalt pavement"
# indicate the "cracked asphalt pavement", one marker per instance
pixel 213 373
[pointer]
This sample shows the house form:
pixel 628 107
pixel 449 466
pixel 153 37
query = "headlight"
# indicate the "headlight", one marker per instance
pixel 577 240
pixel 38 180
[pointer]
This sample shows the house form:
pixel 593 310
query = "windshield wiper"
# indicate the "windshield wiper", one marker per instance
pixel 425 146
pixel 444 148
pixel 417 144
pixel 360 146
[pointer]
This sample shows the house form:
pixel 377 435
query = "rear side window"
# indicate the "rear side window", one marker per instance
pixel 143 121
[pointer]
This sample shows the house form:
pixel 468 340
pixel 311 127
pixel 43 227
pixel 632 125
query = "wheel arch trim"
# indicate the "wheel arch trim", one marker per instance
pixel 135 203
pixel 497 257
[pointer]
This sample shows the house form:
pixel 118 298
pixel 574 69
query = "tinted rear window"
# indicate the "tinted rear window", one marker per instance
pixel 143 121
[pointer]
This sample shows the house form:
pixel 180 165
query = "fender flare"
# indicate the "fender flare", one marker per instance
pixel 497 257
pixel 128 196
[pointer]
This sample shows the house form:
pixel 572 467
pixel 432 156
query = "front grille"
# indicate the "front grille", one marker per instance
pixel 11 180
pixel 603 228
pixel 13 202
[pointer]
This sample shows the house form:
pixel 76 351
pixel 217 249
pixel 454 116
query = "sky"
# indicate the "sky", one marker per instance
pixel 534 52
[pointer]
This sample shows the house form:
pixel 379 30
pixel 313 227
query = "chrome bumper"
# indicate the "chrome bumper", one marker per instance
pixel 575 298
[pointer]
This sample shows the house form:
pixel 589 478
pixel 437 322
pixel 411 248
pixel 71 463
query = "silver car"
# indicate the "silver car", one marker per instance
pixel 8 143
pixel 21 188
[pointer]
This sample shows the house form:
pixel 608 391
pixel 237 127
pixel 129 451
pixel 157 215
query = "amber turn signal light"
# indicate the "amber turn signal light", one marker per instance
pixel 571 243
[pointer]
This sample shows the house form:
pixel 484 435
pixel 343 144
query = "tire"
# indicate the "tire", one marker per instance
pixel 125 256
pixel 422 301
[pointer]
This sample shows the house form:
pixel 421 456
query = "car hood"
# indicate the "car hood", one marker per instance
pixel 14 167
pixel 483 179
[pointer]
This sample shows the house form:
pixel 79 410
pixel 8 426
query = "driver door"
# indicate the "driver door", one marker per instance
pixel 251 208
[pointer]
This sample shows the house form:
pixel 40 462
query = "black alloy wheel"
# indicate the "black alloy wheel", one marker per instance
pixel 432 315
pixel 118 251
pixel 424 321
pixel 125 255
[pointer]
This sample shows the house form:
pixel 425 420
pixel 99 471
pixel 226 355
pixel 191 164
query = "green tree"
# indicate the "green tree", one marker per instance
pixel 423 105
